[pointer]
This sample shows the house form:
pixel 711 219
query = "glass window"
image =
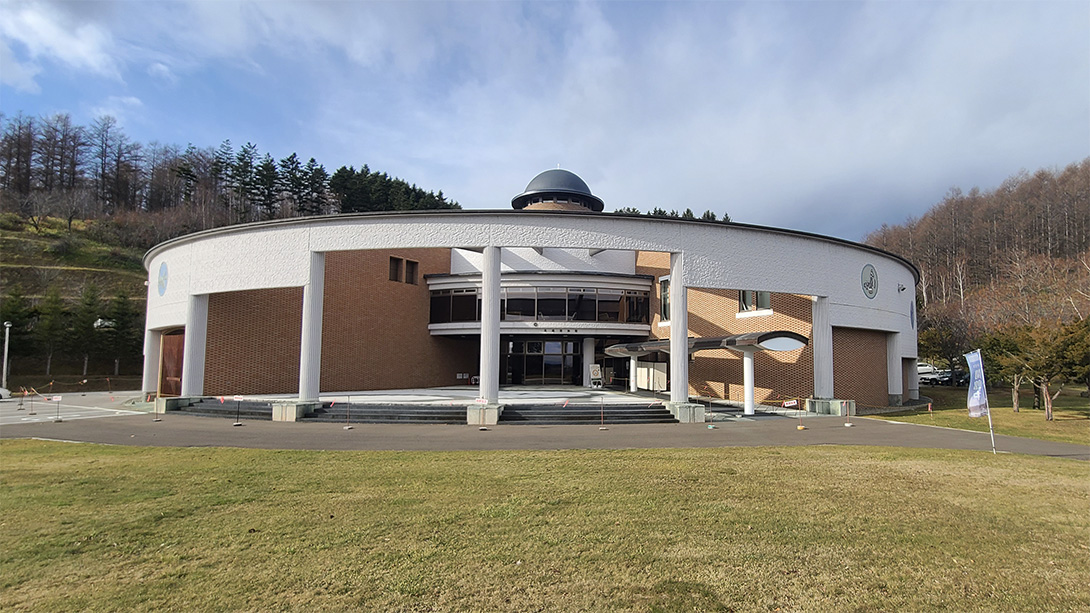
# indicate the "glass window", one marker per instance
pixel 609 304
pixel 534 347
pixel 463 305
pixel 554 369
pixel 664 292
pixel 534 367
pixel 581 305
pixel 552 303
pixel 410 272
pixel 520 304
pixel 518 347
pixel 750 300
pixel 637 307
pixel 395 268
pixel 440 307
pixel 554 347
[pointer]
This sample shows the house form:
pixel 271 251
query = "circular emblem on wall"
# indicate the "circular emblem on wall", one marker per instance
pixel 163 278
pixel 869 281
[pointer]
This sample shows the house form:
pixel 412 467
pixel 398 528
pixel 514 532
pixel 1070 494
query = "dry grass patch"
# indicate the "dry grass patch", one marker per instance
pixel 1070 424
pixel 87 527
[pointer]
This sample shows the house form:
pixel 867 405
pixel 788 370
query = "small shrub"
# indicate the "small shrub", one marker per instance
pixel 12 222
pixel 64 246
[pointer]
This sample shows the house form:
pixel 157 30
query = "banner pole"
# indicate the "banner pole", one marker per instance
pixel 991 431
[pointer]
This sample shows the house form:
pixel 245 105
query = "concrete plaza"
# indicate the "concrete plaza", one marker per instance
pixel 120 419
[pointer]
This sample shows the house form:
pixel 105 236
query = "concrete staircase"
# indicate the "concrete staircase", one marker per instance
pixel 212 407
pixel 389 414
pixel 586 414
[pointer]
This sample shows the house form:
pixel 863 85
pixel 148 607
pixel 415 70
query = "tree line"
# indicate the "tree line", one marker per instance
pixel 1007 271
pixel 106 334
pixel 50 166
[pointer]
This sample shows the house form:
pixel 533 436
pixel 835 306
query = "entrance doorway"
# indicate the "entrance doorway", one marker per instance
pixel 171 349
pixel 542 361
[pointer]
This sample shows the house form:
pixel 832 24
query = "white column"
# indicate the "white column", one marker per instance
pixel 822 344
pixel 749 408
pixel 893 368
pixel 632 366
pixel 490 327
pixel 196 339
pixel 588 359
pixel 310 340
pixel 153 339
pixel 679 332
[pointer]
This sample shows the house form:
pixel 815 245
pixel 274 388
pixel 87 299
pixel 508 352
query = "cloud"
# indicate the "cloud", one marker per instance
pixel 48 31
pixel 162 72
pixel 125 109
pixel 16 74
pixel 821 116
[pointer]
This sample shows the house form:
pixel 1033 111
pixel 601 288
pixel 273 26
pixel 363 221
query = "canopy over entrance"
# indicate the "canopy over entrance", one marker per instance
pixel 778 340
pixel 747 344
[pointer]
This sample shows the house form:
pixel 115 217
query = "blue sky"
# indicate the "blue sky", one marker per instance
pixel 828 117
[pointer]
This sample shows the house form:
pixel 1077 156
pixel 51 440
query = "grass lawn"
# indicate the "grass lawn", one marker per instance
pixel 1070 414
pixel 88 527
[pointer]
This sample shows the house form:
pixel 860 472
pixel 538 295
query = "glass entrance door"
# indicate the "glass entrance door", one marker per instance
pixel 543 361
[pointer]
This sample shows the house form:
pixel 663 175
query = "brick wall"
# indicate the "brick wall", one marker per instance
pixel 859 366
pixel 375 331
pixel 253 342
pixel 713 312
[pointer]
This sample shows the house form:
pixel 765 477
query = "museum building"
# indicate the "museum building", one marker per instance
pixel 530 296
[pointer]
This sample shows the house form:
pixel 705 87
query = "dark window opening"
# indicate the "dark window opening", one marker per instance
pixel 395 268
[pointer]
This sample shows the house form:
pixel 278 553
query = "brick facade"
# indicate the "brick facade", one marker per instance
pixel 253 342
pixel 714 312
pixel 859 366
pixel 375 336
pixel 375 331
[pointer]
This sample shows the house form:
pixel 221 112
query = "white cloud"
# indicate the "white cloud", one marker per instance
pixel 48 31
pixel 16 74
pixel 125 109
pixel 802 114
pixel 162 72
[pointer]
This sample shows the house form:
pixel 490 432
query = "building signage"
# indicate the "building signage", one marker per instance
pixel 869 281
pixel 163 278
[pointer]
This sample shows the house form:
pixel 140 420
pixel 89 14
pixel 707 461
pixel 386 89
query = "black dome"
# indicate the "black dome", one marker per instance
pixel 558 182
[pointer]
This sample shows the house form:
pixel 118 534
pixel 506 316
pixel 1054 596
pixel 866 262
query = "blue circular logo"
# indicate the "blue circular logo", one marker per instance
pixel 163 278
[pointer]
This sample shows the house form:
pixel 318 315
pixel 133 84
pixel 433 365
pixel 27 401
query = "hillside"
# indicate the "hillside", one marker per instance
pixel 36 259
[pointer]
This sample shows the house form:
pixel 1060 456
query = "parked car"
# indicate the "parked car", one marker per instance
pixel 939 377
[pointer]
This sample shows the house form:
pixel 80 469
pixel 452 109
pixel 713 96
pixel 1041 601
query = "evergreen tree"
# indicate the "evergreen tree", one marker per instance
pixel 316 190
pixel 267 193
pixel 124 330
pixel 16 309
pixel 86 322
pixel 52 325
pixel 708 216
pixel 292 183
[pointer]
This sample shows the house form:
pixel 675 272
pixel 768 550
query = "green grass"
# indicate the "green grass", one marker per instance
pixel 1070 423
pixel 37 259
pixel 85 527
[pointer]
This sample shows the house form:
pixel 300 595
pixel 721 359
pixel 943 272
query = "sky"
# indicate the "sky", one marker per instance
pixel 827 117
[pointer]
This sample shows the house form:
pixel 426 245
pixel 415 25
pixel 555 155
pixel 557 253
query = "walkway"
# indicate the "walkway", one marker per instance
pixel 123 427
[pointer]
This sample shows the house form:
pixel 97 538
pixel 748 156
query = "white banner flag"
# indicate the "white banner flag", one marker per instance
pixel 978 394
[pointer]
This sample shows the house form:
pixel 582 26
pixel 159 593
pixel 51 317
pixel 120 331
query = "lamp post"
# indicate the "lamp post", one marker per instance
pixel 7 336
